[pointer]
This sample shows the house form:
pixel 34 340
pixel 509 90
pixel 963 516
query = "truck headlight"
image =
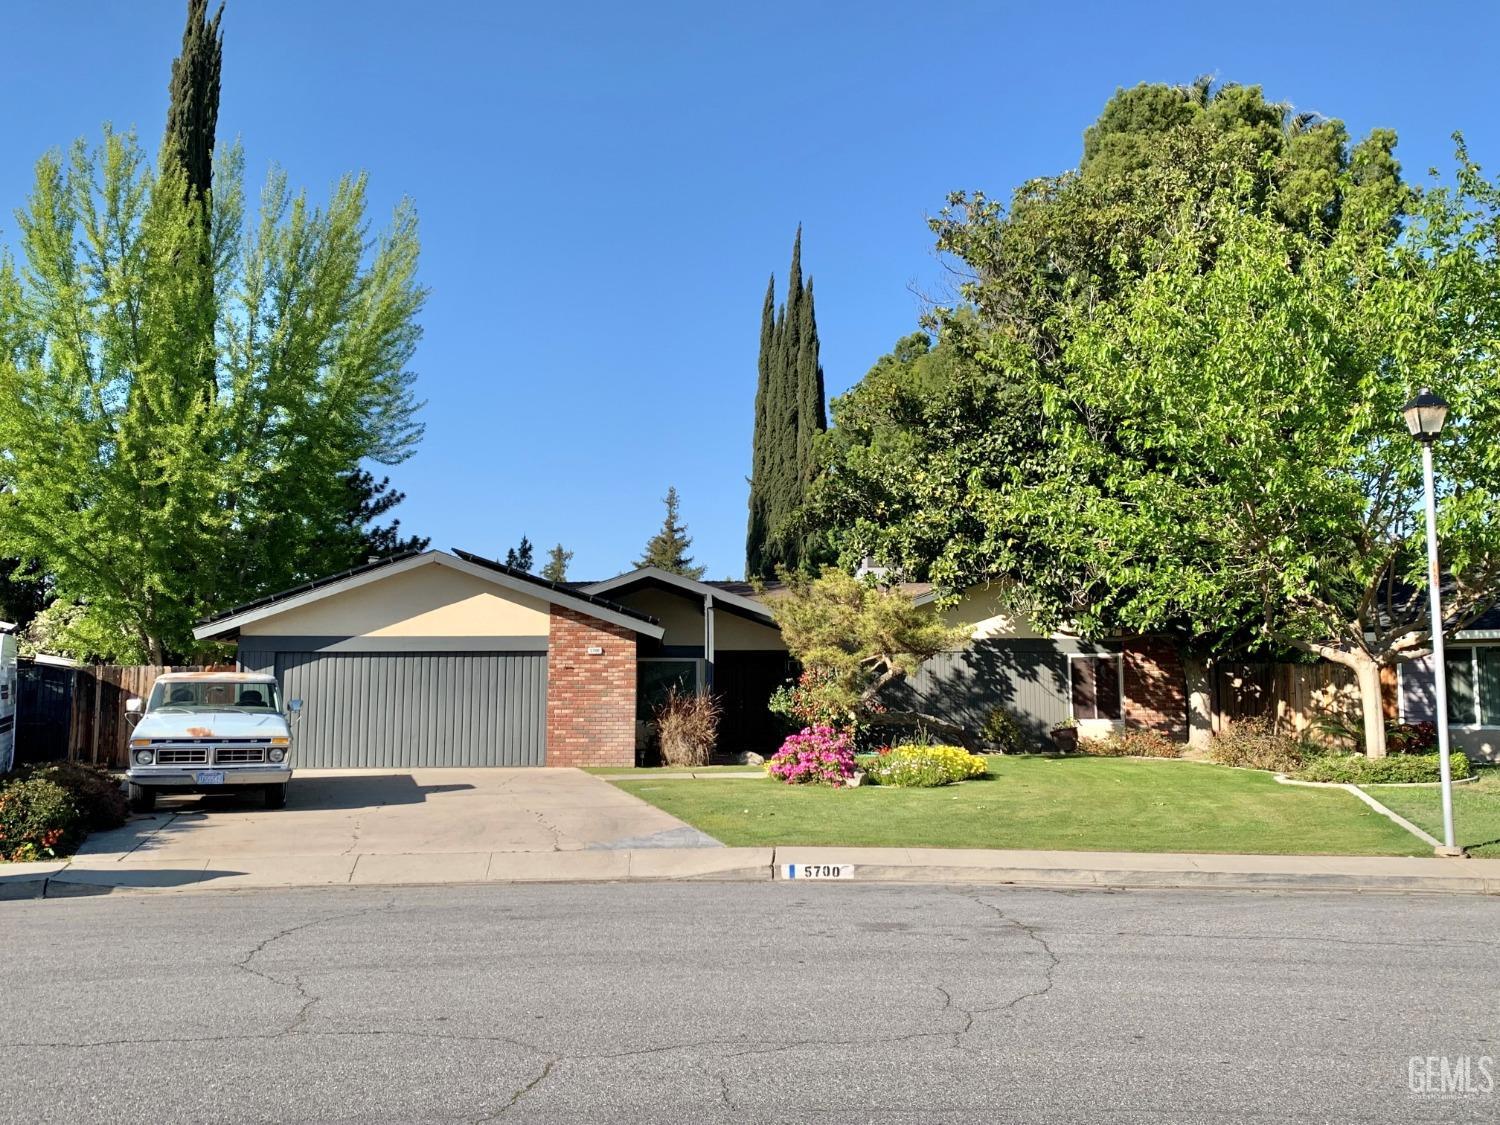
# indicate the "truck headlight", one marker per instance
pixel 277 754
pixel 145 757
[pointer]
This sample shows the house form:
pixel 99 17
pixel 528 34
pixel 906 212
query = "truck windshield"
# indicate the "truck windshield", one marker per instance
pixel 214 695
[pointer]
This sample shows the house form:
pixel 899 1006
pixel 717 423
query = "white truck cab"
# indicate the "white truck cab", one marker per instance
pixel 211 732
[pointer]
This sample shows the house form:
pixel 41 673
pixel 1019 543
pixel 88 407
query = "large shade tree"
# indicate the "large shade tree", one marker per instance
pixel 148 502
pixel 1011 468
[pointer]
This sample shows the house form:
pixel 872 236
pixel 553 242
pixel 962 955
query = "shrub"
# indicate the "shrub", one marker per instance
pixel 1411 738
pixel 1400 769
pixel 815 756
pixel 38 819
pixel 921 767
pixel 1002 730
pixel 687 726
pixel 97 796
pixel 1252 744
pixel 1131 744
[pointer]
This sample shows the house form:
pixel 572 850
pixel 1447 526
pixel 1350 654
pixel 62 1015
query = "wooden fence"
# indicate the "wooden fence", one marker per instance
pixel 1302 700
pixel 98 729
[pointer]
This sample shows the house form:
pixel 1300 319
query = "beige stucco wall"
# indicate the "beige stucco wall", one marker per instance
pixel 733 633
pixel 984 612
pixel 431 600
pixel 681 615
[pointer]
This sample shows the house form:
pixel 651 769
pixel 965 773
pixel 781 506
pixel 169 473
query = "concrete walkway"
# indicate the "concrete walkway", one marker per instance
pixel 103 874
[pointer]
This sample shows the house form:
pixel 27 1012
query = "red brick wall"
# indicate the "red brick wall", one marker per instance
pixel 1155 687
pixel 590 699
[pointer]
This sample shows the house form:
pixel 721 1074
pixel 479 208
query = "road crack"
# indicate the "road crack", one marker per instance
pixel 523 1091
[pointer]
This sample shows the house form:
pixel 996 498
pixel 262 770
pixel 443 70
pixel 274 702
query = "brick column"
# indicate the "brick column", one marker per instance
pixel 1155 687
pixel 590 696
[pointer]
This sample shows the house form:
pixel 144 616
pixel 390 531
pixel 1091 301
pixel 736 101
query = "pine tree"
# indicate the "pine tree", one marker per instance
pixel 193 115
pixel 520 557
pixel 789 414
pixel 668 548
pixel 556 567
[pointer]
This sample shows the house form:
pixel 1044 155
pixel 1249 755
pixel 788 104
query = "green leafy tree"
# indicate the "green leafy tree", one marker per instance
pixel 790 413
pixel 520 557
pixel 555 569
pixel 936 478
pixel 668 548
pixel 147 502
pixel 1228 448
pixel 855 640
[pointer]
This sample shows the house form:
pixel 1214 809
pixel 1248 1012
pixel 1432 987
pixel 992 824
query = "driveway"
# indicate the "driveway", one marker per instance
pixel 438 825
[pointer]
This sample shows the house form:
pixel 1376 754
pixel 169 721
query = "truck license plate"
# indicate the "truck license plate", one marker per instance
pixel 209 777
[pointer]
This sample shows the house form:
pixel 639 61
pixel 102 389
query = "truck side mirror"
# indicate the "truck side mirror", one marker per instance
pixel 133 706
pixel 295 707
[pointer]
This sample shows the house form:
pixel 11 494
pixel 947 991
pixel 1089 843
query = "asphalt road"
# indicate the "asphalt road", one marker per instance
pixel 746 1002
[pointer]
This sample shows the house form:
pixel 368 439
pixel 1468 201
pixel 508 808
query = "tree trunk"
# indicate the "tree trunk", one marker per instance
pixel 1200 700
pixel 1367 674
pixel 921 719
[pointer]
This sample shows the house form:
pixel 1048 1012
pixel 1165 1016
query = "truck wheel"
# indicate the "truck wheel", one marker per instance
pixel 276 796
pixel 141 798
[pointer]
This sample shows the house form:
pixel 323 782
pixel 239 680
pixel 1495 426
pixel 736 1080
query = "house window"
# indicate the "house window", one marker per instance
pixel 1096 686
pixel 1473 687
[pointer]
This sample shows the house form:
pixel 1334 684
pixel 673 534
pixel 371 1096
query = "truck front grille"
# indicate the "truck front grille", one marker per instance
pixel 239 755
pixel 182 757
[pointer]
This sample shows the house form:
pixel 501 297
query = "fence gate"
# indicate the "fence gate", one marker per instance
pixel 44 710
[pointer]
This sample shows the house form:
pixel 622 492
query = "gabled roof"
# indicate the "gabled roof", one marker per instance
pixel 729 599
pixel 462 561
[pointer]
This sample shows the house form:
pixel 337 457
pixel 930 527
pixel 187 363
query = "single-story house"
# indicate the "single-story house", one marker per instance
pixel 1472 660
pixel 439 658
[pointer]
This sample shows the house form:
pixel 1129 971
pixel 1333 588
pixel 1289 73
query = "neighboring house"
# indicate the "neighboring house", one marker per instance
pixel 1047 679
pixel 1472 658
pixel 449 659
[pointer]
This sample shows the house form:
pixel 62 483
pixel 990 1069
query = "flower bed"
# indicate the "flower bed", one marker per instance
pixel 921 767
pixel 818 755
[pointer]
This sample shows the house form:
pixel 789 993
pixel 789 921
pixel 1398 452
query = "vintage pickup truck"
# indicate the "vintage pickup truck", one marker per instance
pixel 211 732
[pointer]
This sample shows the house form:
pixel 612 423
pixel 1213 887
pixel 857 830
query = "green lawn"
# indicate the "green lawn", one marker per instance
pixel 1476 810
pixel 1076 804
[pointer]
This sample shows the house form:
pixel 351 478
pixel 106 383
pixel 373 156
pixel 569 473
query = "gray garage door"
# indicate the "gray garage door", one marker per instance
pixel 403 709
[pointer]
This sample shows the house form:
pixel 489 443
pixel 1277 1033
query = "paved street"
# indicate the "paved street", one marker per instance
pixel 745 1002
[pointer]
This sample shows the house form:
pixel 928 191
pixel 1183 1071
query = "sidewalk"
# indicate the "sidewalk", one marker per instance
pixel 104 873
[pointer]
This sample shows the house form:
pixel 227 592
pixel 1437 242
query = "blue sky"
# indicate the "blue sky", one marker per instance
pixel 604 189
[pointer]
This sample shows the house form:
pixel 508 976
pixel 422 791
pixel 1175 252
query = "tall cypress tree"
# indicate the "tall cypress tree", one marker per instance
pixel 755 537
pixel 192 119
pixel 789 413
pixel 193 114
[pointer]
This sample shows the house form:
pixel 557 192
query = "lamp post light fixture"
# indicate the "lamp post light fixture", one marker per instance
pixel 1425 416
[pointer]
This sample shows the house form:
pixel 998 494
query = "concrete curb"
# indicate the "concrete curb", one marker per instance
pixel 27 880
pixel 1113 870
pixel 1120 870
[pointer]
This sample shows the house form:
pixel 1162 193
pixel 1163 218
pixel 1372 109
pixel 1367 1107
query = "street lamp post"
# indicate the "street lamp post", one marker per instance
pixel 1425 415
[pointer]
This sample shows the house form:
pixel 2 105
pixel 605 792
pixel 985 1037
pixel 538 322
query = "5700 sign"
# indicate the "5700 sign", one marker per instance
pixel 817 870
